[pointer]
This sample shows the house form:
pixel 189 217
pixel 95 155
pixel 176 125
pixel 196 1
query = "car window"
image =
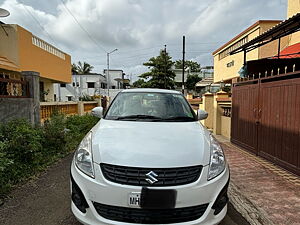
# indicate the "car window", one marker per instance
pixel 150 106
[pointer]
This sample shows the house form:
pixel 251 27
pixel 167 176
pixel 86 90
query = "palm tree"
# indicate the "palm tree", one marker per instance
pixel 82 68
pixel 74 69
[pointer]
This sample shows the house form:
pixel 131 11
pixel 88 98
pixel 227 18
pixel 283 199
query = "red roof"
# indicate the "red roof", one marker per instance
pixel 292 51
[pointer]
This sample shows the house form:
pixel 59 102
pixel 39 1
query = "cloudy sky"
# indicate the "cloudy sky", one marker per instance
pixel 87 29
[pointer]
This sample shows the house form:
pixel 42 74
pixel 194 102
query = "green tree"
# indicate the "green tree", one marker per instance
pixel 191 81
pixel 194 66
pixel 82 68
pixel 140 83
pixel 160 74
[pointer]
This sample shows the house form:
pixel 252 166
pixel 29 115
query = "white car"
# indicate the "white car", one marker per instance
pixel 149 160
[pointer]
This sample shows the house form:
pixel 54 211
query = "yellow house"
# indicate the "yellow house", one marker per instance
pixel 20 50
pixel 226 66
pixel 293 8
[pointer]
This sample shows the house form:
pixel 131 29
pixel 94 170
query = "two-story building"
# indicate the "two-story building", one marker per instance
pixel 20 50
pixel 262 114
pixel 227 67
pixel 81 85
pixel 115 78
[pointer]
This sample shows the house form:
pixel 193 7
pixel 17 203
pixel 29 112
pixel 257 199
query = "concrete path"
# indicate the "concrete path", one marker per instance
pixel 261 191
pixel 46 200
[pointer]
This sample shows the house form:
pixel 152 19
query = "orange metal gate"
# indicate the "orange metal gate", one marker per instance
pixel 266 119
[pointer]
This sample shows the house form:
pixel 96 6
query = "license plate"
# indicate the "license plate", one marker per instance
pixel 158 199
pixel 134 199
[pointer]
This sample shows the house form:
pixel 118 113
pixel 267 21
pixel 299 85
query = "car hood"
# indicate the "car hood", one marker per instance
pixel 150 144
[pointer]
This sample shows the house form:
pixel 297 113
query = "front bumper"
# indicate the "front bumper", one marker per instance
pixel 105 192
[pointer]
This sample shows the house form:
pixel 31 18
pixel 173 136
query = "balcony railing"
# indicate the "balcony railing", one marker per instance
pixel 10 88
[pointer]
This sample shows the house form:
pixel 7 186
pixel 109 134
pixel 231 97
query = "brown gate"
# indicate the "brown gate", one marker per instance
pixel 244 113
pixel 266 119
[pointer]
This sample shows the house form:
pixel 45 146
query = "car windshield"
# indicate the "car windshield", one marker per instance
pixel 140 106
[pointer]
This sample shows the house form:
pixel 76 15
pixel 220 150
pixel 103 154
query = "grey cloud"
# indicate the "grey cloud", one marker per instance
pixel 139 28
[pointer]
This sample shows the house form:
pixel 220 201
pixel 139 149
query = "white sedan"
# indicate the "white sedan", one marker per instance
pixel 149 161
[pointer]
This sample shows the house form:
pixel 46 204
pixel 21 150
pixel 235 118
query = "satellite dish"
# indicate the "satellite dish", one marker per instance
pixel 4 13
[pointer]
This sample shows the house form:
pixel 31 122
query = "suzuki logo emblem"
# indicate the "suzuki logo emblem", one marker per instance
pixel 151 177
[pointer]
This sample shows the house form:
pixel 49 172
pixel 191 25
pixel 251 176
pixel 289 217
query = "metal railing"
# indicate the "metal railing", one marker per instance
pixel 10 88
pixel 226 111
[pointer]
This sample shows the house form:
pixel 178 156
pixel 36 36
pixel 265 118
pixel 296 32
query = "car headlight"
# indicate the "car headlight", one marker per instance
pixel 217 159
pixel 84 157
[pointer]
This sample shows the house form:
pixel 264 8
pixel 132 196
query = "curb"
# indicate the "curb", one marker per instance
pixel 246 208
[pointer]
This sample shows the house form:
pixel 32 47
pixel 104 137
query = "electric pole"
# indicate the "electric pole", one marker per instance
pixel 183 60
pixel 107 75
pixel 165 66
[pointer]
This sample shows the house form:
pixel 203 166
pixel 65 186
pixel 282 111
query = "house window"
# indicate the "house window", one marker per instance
pixel 113 87
pixel 77 84
pixel 91 84
pixel 103 85
pixel 69 98
pixel 73 84
pixel 62 85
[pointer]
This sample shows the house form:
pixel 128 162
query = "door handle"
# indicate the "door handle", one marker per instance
pixel 259 113
pixel 254 113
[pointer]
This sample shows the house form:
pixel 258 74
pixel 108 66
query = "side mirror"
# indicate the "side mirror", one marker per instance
pixel 97 112
pixel 202 115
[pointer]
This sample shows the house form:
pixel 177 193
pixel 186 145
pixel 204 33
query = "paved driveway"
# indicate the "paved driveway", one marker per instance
pixel 46 201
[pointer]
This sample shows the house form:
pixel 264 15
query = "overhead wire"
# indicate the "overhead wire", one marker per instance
pixel 87 33
pixel 132 57
pixel 39 24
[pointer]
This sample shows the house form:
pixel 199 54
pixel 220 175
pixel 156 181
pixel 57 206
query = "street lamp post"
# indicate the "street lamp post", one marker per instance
pixel 107 76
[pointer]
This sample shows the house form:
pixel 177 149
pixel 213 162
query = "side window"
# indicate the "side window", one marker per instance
pixel 91 85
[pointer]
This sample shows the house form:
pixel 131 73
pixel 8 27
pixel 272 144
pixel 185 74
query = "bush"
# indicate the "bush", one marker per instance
pixel 4 164
pixel 77 127
pixel 86 98
pixel 54 139
pixel 26 150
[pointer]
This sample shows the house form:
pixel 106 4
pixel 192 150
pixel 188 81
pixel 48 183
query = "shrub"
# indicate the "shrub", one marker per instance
pixel 86 98
pixel 4 164
pixel 77 127
pixel 25 150
pixel 54 139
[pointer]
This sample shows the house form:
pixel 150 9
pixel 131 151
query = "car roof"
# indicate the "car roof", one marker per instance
pixel 152 90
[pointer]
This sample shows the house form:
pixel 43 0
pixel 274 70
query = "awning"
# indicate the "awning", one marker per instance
pixel 205 82
pixel 280 30
pixel 8 65
pixel 292 51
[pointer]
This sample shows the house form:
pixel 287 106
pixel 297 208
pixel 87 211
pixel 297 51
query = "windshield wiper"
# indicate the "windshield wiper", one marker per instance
pixel 133 117
pixel 179 118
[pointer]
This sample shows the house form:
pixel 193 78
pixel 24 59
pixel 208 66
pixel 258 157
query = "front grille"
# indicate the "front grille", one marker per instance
pixel 150 216
pixel 137 176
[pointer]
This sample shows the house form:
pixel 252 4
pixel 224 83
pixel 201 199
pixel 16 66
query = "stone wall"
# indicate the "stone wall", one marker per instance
pixel 23 108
